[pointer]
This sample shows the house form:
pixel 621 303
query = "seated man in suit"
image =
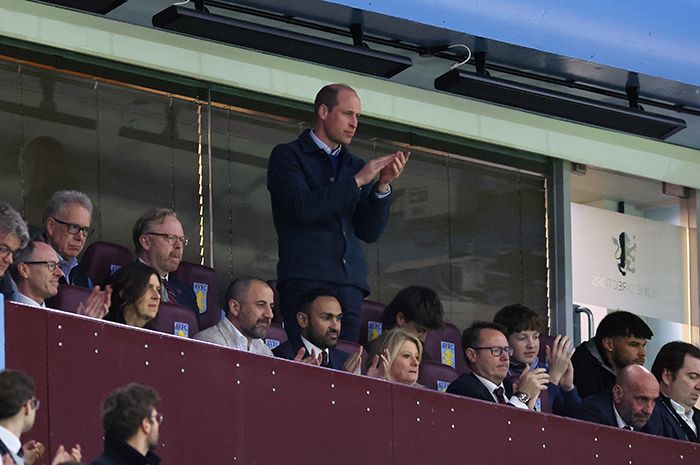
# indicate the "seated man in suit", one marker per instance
pixel 67 220
pixel 18 408
pixel 488 356
pixel 36 271
pixel 677 369
pixel 319 316
pixel 629 405
pixel 160 242
pixel 13 237
pixel 249 303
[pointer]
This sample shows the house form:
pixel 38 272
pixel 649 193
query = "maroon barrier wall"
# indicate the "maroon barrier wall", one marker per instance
pixel 223 406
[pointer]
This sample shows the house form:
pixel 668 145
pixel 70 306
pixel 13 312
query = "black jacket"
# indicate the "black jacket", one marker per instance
pixel 123 454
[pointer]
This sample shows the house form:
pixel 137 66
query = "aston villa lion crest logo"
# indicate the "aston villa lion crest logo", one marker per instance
pixel 624 253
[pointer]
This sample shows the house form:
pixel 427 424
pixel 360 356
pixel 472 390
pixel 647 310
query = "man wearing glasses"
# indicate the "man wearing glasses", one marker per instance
pixel 13 236
pixel 67 220
pixel 18 408
pixel 488 355
pixel 160 243
pixel 131 426
pixel 36 272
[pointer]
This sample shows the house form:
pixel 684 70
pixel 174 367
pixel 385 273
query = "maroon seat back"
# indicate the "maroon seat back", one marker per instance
pixel 275 335
pixel 435 375
pixel 68 298
pixel 445 346
pixel 351 347
pixel 206 288
pixel 174 319
pixel 102 259
pixel 371 320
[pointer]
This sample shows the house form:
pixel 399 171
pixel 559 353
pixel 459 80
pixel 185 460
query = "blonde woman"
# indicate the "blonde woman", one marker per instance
pixel 400 358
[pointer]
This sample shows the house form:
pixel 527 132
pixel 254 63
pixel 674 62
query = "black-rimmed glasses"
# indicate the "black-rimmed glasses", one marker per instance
pixel 75 228
pixel 158 418
pixel 171 238
pixel 49 264
pixel 5 251
pixel 496 351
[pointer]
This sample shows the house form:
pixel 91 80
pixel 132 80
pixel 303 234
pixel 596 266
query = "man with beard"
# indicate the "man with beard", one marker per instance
pixel 248 315
pixel 619 341
pixel 131 426
pixel 160 242
pixel 319 318
pixel 677 368
pixel 629 405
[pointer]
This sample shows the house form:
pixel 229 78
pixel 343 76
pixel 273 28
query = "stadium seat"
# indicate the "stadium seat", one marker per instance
pixel 350 348
pixel 435 375
pixel 68 298
pixel 102 259
pixel 206 287
pixel 275 335
pixel 371 320
pixel 545 340
pixel 445 346
pixel 174 319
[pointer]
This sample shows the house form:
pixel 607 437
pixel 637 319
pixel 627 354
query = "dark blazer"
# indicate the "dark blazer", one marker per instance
pixel 289 349
pixel 672 425
pixel 123 454
pixel 6 286
pixel 469 385
pixel 77 277
pixel 184 294
pixel 321 215
pixel 599 409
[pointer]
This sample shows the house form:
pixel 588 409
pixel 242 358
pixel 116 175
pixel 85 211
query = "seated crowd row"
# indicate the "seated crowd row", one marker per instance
pixel 603 380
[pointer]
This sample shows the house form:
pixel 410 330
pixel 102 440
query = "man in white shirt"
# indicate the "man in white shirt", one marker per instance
pixel 677 368
pixel 249 303
pixel 18 408
pixel 488 355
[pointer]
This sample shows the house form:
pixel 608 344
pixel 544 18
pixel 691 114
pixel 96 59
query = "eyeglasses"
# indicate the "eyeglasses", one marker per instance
pixel 158 418
pixel 75 228
pixel 171 238
pixel 497 351
pixel 50 265
pixel 6 251
pixel 35 403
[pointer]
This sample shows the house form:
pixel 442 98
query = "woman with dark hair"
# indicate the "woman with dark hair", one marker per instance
pixel 135 295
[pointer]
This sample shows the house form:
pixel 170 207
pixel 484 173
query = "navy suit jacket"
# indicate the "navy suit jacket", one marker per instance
pixel 321 215
pixel 184 294
pixel 469 385
pixel 289 349
pixel 672 425
pixel 77 277
pixel 599 409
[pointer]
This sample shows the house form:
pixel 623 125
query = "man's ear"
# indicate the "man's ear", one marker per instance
pixel 146 425
pixel 666 376
pixel 23 270
pixel 145 242
pixel 400 320
pixel 471 354
pixel 607 344
pixel 322 111
pixel 617 393
pixel 302 320
pixel 234 308
pixel 50 225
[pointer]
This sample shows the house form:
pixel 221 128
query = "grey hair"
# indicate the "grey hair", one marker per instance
pixel 11 223
pixel 61 199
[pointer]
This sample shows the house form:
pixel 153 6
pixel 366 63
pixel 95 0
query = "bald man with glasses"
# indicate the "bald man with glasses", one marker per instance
pixel 488 356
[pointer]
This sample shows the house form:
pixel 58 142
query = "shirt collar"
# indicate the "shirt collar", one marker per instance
pixel 681 410
pixel 312 348
pixel 491 386
pixel 322 145
pixel 23 299
pixel 620 422
pixel 164 277
pixel 10 440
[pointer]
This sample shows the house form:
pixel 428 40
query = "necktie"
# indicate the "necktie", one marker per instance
pixel 167 293
pixel 498 392
pixel 324 359
pixel 627 427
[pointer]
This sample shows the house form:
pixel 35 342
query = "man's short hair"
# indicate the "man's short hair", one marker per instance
pixel 61 199
pixel 417 304
pixel 671 357
pixel 470 336
pixel 11 223
pixel 328 96
pixel 24 255
pixel 16 388
pixel 124 408
pixel 516 318
pixel 307 298
pixel 238 289
pixel 622 323
pixel 148 219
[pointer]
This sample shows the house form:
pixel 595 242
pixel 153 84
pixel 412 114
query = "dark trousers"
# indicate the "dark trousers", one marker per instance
pixel 350 298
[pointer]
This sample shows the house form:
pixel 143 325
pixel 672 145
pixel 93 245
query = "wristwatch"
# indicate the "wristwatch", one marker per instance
pixel 522 397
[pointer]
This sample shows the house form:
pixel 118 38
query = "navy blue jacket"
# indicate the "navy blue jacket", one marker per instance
pixel 320 215
pixel 672 425
pixel 598 408
pixel 289 349
pixel 469 385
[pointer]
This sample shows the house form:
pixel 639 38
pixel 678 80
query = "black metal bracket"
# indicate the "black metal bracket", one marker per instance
pixel 633 97
pixel 358 35
pixel 480 62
